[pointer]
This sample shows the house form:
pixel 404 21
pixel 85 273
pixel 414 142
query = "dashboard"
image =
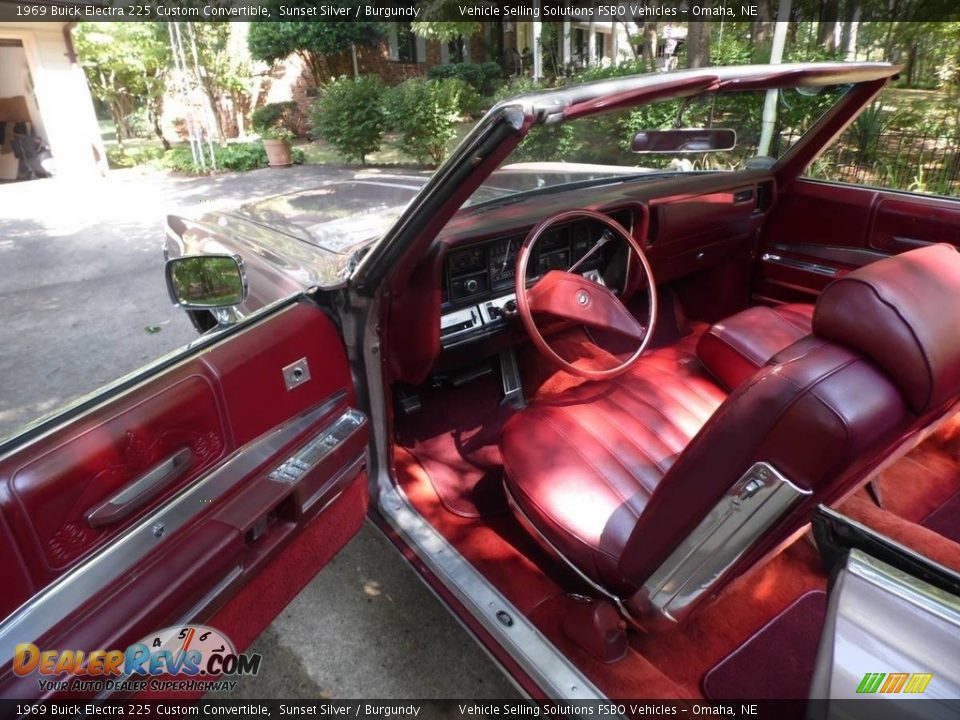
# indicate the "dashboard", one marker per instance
pixel 479 276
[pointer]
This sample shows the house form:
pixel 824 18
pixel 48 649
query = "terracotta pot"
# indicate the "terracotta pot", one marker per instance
pixel 278 153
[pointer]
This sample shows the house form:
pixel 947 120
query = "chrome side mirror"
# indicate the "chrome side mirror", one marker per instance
pixel 206 282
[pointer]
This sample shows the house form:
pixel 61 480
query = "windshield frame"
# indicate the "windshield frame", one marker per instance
pixel 396 254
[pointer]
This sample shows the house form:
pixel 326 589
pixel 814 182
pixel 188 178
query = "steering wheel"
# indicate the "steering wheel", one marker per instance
pixel 566 295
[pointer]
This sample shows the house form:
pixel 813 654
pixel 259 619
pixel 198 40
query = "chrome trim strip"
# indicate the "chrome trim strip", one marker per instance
pixel 799 264
pixel 905 586
pixel 548 668
pixel 553 673
pixel 880 618
pixel 190 616
pixel 736 522
pixel 55 603
pixel 307 457
pixel 534 531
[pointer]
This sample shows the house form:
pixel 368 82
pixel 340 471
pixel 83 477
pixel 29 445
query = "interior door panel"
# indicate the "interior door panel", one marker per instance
pixel 819 231
pixel 159 503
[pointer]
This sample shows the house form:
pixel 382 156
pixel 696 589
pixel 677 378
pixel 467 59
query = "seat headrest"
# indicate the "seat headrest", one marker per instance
pixel 903 313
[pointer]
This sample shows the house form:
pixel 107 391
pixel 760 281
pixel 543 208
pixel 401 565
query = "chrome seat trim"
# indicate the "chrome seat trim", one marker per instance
pixel 751 506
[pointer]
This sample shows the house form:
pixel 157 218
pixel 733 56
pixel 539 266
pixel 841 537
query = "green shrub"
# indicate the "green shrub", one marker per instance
pixel 547 143
pixel 232 156
pixel 276 115
pixel 482 77
pixel 424 114
pixel 350 116
pixel 131 156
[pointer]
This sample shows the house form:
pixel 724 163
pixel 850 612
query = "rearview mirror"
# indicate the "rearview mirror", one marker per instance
pixel 684 140
pixel 205 282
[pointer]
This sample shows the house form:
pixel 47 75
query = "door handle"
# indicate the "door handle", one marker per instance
pixel 139 492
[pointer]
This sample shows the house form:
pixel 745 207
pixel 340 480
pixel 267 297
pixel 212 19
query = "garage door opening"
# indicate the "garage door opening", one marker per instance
pixel 24 152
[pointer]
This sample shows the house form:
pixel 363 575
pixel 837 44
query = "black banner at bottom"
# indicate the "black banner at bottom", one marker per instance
pixel 867 709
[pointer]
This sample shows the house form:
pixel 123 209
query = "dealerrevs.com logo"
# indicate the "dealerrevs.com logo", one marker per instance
pixel 182 658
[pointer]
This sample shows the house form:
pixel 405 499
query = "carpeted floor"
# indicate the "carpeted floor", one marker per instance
pixel 777 662
pixel 448 463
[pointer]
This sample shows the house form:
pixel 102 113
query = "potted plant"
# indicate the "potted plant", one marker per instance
pixel 276 141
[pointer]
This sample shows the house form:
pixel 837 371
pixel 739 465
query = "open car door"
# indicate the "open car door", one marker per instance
pixel 207 488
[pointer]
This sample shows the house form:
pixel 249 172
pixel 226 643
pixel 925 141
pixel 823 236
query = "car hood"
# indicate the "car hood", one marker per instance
pixel 341 217
pixel 338 217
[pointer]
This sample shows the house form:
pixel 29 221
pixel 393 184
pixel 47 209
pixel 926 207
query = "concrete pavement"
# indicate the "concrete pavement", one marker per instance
pixel 83 302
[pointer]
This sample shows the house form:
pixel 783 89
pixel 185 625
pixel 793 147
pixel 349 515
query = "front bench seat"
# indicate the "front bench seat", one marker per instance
pixel 808 428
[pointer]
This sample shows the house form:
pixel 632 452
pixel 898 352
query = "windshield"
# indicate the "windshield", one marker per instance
pixel 598 148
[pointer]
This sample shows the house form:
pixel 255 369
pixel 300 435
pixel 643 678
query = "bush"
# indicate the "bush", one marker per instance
pixel 424 113
pixel 276 115
pixel 131 156
pixel 350 116
pixel 482 77
pixel 232 156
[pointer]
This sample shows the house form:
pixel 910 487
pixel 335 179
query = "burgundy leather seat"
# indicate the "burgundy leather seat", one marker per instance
pixel 735 348
pixel 588 464
pixel 615 475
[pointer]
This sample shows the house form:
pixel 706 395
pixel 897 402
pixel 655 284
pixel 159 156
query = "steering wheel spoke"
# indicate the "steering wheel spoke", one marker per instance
pixel 566 295
pixel 569 296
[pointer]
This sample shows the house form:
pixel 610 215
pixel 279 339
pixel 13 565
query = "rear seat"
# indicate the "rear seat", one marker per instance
pixel 735 348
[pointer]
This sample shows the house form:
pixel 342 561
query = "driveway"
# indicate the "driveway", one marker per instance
pixel 84 302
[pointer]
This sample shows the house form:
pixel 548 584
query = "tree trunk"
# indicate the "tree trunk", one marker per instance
pixel 158 131
pixel 829 15
pixel 911 64
pixel 698 44
pixel 851 29
pixel 762 30
pixel 650 39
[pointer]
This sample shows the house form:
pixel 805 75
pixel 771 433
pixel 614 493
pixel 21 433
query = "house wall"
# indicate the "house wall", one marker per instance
pixel 63 98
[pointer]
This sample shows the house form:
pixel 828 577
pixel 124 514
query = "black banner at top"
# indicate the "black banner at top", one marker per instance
pixel 495 11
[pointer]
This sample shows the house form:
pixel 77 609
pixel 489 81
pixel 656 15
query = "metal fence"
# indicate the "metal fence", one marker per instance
pixel 898 160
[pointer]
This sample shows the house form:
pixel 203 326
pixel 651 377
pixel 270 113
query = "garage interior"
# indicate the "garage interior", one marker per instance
pixel 20 117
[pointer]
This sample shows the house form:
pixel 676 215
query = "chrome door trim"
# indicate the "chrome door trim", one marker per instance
pixel 553 673
pixel 45 610
pixel 815 268
pixel 548 668
pixel 883 620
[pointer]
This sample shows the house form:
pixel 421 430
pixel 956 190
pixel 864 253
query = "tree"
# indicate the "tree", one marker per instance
pixel 650 41
pixel 698 44
pixel 223 72
pixel 312 41
pixel 126 66
pixel 445 31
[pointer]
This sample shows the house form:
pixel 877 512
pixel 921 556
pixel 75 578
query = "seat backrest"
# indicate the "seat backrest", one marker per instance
pixel 821 415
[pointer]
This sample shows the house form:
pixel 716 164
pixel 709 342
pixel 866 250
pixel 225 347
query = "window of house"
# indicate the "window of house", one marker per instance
pixel 456 50
pixel 406 43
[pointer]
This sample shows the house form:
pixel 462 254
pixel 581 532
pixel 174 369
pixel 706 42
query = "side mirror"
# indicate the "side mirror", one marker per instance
pixel 206 282
pixel 684 140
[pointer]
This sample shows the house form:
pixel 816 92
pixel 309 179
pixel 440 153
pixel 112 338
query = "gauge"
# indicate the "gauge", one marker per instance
pixel 503 260
pixel 465 260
